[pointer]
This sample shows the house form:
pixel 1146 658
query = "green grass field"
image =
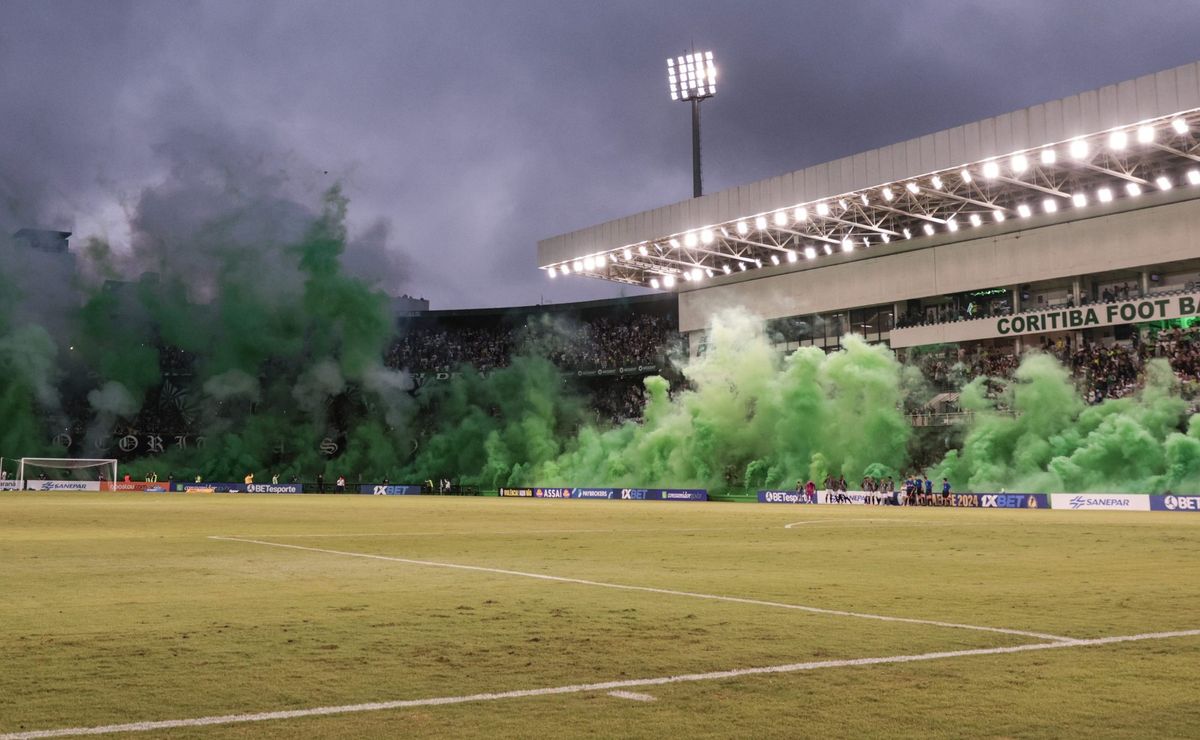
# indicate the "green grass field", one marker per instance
pixel 121 608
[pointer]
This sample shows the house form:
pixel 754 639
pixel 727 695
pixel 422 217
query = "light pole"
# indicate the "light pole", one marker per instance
pixel 693 77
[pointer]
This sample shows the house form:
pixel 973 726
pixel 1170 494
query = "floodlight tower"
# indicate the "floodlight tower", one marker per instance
pixel 693 77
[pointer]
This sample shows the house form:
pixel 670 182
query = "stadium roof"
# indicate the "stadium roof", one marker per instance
pixel 1123 146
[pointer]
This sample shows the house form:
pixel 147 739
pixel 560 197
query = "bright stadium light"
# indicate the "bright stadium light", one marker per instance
pixel 781 218
pixel 552 272
pixel 863 198
pixel 601 260
pixel 725 268
pixel 760 223
pixel 828 249
pixel 706 236
pixel 1079 149
pixel 1024 211
pixel 565 269
pixel 743 228
pixel 1145 134
pixel 822 209
pixel 654 283
pixel 1105 195
pixel 929 230
pixel 1049 156
pixel 842 202
pixel 628 254
pixel 1133 189
pixel 674 242
pixel 589 263
pixel 1180 126
pixel 847 245
pixel 578 265
pixel 936 182
pixel 952 224
pixel 991 170
pixel 1050 205
pixel 998 216
pixel 1193 177
pixel 888 195
pixel 965 175
pixel 692 78
pixel 976 220
pixel 810 253
pixel 1079 199
pixel 669 281
pixel 642 250
pixel 887 239
pixel 1117 140
pixel 800 214
pixel 791 255
pixel 775 260
pixel 697 276
pixel 708 271
pixel 690 240
pixel 912 187
pixel 1163 182
pixel 907 233
pixel 742 266
pixel 1019 163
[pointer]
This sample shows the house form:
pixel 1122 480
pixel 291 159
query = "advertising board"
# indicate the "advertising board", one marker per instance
pixel 1173 502
pixel 1100 501
pixel 786 497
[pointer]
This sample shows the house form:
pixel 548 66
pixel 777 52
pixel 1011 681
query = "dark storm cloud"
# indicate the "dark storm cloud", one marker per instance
pixel 464 132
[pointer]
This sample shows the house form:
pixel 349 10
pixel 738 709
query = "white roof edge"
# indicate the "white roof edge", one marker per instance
pixel 1150 96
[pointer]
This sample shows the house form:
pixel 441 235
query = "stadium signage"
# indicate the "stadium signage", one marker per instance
pixel 64 485
pixel 134 485
pixel 1100 502
pixel 1127 312
pixel 1175 503
pixel 628 494
pixel 212 487
pixel 9 485
pixel 516 492
pixel 273 488
pixel 391 490
pixel 1000 500
pixel 786 497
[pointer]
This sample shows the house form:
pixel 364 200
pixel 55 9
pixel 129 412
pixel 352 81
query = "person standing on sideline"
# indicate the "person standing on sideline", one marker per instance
pixel 249 479
pixel 320 483
pixel 341 484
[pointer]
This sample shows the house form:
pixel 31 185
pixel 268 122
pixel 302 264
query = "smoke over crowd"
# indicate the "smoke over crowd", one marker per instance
pixel 234 317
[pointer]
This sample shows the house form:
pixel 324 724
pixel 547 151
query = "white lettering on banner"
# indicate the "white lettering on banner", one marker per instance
pixel 64 485
pixel 9 485
pixel 1182 503
pixel 852 497
pixel 1100 501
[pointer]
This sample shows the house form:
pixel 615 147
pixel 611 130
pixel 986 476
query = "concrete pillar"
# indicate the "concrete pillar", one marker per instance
pixel 1145 279
pixel 1075 290
pixel 899 310
pixel 1016 298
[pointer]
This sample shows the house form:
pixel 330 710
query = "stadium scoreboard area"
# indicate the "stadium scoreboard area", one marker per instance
pixel 1073 220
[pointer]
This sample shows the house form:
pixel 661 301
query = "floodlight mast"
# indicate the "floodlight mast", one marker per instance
pixel 693 77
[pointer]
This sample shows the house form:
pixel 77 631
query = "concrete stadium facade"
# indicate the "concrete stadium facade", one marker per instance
pixel 1092 199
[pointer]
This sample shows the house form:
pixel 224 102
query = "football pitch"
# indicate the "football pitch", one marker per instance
pixel 236 616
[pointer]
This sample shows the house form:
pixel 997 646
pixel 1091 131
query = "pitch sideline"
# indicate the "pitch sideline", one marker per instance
pixel 649 589
pixel 228 719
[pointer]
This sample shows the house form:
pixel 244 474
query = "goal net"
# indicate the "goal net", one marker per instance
pixel 64 469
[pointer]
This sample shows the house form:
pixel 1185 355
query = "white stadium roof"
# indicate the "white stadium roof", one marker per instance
pixel 1113 148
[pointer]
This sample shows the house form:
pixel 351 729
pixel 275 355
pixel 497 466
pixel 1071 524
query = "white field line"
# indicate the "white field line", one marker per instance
pixel 631 695
pixel 228 719
pixel 476 533
pixel 837 521
pixel 648 589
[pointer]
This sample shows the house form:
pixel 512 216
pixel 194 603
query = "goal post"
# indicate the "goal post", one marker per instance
pixel 97 469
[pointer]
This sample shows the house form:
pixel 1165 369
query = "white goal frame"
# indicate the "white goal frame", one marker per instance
pixel 68 463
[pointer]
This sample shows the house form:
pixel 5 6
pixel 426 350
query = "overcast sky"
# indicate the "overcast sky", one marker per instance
pixel 473 129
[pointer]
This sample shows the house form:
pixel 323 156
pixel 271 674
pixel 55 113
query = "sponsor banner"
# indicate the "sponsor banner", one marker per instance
pixel 381 490
pixel 273 488
pixel 786 497
pixel 1100 501
pixel 135 485
pixel 64 485
pixel 1175 503
pixel 1000 500
pixel 848 497
pixel 552 492
pixel 516 492
pixel 211 487
pixel 595 493
pixel 685 494
pixel 9 485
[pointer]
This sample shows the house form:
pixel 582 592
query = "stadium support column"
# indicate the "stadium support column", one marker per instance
pixel 1016 307
pixel 697 183
pixel 1145 280
pixel 1075 290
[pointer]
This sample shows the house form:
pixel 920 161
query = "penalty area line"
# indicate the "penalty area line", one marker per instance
pixel 649 589
pixel 608 686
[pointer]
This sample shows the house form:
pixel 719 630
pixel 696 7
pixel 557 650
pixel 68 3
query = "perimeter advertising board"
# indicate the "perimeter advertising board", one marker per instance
pixel 1100 501
pixel 1175 503
pixel 786 497
pixel 628 494
pixel 63 485
pixel 135 485
pixel 390 490
pixel 1000 500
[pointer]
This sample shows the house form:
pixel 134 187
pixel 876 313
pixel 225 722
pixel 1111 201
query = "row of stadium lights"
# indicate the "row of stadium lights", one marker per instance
pixel 1019 163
